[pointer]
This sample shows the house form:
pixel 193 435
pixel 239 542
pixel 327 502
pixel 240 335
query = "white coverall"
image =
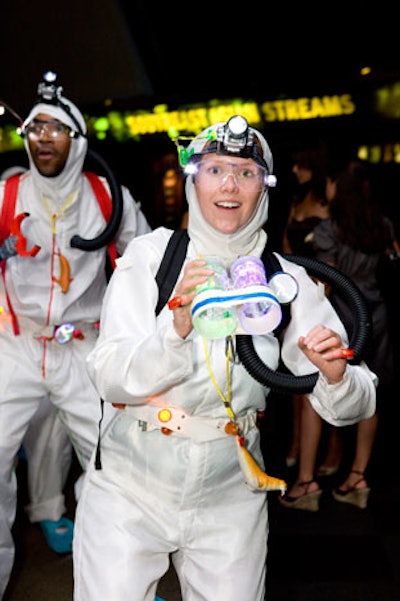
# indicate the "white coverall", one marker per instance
pixel 34 367
pixel 48 446
pixel 184 493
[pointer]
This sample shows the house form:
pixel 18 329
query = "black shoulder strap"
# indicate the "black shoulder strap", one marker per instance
pixel 170 266
pixel 271 263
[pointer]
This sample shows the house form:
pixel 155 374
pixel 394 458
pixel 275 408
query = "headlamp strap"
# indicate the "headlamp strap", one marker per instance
pixel 183 153
pixel 50 93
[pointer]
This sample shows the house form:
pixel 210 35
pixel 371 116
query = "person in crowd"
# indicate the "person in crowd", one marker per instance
pixel 181 472
pixel 352 239
pixel 50 297
pixel 50 461
pixel 308 207
pixel 309 204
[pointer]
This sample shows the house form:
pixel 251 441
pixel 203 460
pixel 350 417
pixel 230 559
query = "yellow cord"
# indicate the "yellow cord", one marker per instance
pixel 225 399
pixel 55 216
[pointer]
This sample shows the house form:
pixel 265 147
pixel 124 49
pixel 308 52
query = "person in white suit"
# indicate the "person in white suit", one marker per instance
pixel 50 309
pixel 181 465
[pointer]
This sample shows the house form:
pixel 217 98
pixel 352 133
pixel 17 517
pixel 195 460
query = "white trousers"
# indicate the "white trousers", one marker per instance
pixel 160 496
pixel 23 390
pixel 48 451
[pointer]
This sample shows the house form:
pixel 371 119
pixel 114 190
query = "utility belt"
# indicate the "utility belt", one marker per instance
pixel 65 332
pixel 171 419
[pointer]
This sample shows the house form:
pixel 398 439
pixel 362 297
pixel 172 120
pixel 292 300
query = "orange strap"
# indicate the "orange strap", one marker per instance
pixel 8 209
pixel 104 201
pixel 7 215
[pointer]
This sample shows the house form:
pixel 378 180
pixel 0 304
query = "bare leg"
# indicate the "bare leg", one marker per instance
pixel 334 453
pixel 366 434
pixel 293 452
pixel 310 435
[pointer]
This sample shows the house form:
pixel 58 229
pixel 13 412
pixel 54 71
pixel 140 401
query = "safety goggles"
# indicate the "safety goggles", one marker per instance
pixel 216 172
pixel 53 129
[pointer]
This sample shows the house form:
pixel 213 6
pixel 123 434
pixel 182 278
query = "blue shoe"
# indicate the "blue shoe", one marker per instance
pixel 58 534
pixel 158 598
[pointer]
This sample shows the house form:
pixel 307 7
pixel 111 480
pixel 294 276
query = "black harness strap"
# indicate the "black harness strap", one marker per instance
pixel 170 266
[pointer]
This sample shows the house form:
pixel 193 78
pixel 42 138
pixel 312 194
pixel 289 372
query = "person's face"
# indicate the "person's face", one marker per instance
pixel 303 174
pixel 49 144
pixel 228 189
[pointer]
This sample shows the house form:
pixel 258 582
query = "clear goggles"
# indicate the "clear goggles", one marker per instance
pixel 218 172
pixel 52 129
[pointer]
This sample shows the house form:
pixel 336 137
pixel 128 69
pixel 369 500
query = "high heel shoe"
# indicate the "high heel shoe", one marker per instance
pixel 355 496
pixel 308 501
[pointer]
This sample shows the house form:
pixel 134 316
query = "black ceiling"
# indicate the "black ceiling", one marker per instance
pixel 138 52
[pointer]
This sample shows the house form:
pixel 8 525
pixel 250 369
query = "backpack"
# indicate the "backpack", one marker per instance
pixel 8 214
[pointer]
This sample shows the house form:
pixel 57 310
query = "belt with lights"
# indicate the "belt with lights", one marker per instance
pixel 170 419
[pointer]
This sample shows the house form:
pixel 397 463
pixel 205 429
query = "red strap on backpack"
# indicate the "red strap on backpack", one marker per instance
pixel 104 201
pixel 7 215
pixel 8 209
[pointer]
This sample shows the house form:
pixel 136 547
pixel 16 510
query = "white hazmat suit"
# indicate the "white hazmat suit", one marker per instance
pixel 35 368
pixel 183 494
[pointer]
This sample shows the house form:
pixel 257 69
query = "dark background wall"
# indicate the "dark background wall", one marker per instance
pixel 135 54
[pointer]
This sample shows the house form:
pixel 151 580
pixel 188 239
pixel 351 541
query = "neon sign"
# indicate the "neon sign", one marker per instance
pixel 191 119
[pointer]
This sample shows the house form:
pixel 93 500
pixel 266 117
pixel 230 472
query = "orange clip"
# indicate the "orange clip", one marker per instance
pixel 347 353
pixel 175 303
pixel 166 431
pixel 20 245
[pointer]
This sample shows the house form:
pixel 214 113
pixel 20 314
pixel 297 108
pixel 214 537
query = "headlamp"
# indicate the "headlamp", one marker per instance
pixel 233 138
pixel 235 135
pixel 49 93
pixel 47 90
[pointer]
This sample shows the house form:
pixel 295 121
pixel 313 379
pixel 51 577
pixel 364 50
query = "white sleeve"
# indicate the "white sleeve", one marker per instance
pixel 137 355
pixel 348 402
pixel 340 404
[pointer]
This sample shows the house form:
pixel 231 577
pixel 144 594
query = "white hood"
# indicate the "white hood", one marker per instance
pixel 250 239
pixel 60 187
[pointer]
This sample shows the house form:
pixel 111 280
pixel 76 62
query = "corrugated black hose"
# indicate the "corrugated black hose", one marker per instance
pixel 285 382
pixel 114 222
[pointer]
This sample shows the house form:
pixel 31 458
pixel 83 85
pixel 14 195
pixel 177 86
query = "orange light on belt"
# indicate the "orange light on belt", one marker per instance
pixel 164 415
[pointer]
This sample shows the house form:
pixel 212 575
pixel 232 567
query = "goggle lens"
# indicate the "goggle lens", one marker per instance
pixel 218 172
pixel 53 129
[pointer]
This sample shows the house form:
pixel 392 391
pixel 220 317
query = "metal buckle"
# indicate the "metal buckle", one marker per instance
pixel 66 332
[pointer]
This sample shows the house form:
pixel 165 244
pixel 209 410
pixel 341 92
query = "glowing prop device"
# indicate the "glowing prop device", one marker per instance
pixel 212 313
pixel 261 313
pixel 247 304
